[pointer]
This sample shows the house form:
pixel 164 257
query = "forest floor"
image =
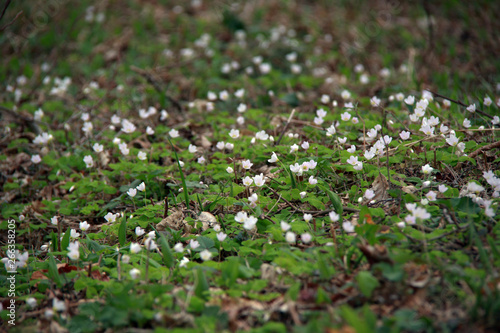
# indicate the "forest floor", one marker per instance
pixel 264 166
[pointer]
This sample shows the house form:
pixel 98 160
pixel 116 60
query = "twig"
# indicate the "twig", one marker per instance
pixel 460 103
pixel 284 128
pixel 5 8
pixel 11 22
pixel 422 228
pixel 270 210
pixel 485 148
pixel 453 173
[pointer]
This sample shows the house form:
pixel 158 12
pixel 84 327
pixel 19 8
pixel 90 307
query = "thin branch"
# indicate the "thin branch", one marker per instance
pixel 11 22
pixel 460 103
pixel 284 128
pixel 5 8
pixel 453 173
pixel 485 148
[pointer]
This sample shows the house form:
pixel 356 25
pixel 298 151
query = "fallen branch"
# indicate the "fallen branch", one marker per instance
pixel 485 148
pixel 5 8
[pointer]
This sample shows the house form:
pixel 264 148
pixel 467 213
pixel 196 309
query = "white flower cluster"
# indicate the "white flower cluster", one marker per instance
pixel 21 261
pixel 249 222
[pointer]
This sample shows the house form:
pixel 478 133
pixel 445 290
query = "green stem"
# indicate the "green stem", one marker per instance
pixel 183 180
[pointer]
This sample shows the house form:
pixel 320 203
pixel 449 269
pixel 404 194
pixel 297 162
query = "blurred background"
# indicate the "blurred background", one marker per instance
pixel 439 43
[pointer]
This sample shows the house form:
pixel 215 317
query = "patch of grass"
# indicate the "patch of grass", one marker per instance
pixel 276 166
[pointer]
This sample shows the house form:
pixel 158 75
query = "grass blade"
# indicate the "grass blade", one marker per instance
pixel 122 232
pixel 183 180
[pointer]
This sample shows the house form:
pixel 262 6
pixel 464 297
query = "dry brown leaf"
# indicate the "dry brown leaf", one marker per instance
pixel 140 143
pixel 173 221
pixel 9 196
pixel 14 162
pixel 277 121
pixel 375 253
pixel 97 275
pixel 65 268
pixel 207 220
pixel 104 158
pixel 380 186
pixel 268 272
pixel 418 275
pixel 112 47
pixel 46 192
pixel 343 329
pixel 200 104
pixel 56 328
pixel 181 319
pixel 410 189
pixel 265 169
pixel 37 207
pixel 384 229
pixel 205 143
pixel 39 275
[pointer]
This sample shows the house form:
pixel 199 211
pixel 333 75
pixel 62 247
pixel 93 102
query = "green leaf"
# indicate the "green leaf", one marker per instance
pixel 479 244
pixel 53 272
pixel 370 317
pixel 391 272
pixel 38 226
pixel 168 258
pixel 54 242
pixel 360 324
pixel 231 21
pixel 293 291
pixel 324 271
pixel 322 296
pixel 65 240
pixel 292 180
pixel 415 180
pixel 465 204
pixel 367 283
pixel 183 179
pixel 291 99
pixel 201 284
pixel 110 205
pixel 315 203
pixel 122 232
pixel 95 246
pixel 229 271
pixel 87 210
pixel 335 199
pixel 494 249
pixel 152 262
pixel 205 243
